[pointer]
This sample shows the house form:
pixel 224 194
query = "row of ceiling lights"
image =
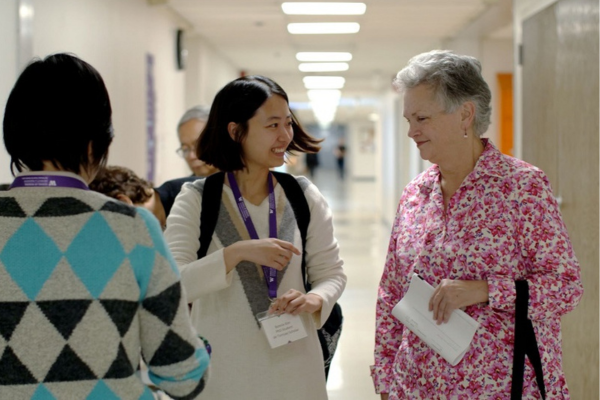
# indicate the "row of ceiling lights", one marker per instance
pixel 323 91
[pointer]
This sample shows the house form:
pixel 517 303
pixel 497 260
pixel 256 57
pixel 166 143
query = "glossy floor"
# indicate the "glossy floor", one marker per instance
pixel 363 240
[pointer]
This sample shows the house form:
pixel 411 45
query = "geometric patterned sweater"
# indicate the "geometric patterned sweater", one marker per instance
pixel 87 286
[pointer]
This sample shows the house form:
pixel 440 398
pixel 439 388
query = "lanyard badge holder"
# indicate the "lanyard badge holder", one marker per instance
pixel 279 329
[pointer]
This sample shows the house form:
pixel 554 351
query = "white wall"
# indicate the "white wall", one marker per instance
pixel 114 36
pixel 8 70
pixel 207 72
pixel 360 162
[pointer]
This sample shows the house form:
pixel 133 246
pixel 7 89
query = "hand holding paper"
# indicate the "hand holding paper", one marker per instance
pixel 451 340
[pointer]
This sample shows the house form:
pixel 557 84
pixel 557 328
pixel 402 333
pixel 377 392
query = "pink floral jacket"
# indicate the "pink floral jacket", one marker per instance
pixel 503 224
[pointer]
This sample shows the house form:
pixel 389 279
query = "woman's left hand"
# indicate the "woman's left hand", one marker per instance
pixel 452 294
pixel 295 302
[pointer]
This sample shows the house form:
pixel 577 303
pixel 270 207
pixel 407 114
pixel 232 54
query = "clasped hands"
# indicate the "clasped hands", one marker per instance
pixel 452 294
pixel 274 253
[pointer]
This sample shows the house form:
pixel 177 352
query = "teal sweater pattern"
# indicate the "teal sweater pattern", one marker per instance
pixel 87 288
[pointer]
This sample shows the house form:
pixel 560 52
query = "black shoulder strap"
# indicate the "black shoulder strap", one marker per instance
pixel 525 344
pixel 295 196
pixel 211 203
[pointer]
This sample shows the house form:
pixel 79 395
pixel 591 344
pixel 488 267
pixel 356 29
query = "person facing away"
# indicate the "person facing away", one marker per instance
pixel 470 225
pixel 249 131
pixel 87 283
pixel 123 184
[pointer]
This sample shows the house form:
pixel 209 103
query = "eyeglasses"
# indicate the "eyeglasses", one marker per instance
pixel 184 151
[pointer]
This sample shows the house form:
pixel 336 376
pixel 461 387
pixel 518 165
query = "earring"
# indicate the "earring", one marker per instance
pixel 465 135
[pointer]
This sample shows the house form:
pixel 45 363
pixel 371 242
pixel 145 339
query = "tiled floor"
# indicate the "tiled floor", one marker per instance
pixel 363 240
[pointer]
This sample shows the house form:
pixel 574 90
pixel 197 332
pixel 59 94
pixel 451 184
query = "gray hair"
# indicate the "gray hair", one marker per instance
pixel 454 79
pixel 197 112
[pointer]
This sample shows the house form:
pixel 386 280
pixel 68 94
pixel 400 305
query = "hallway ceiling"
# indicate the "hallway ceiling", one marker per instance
pixel 253 36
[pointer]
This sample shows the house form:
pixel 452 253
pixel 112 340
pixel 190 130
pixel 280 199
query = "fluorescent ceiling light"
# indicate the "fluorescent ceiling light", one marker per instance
pixel 313 28
pixel 324 104
pixel 324 8
pixel 323 82
pixel 324 96
pixel 323 56
pixel 323 67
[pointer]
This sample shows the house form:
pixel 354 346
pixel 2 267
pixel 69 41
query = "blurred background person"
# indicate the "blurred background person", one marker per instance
pixel 88 286
pixel 340 157
pixel 312 163
pixel 189 128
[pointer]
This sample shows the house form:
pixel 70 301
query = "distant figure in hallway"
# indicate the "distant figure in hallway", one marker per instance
pixel 476 225
pixel 312 163
pixel 340 155
pixel 253 261
pixel 87 283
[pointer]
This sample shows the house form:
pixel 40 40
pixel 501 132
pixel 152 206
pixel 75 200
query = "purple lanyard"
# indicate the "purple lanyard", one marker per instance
pixel 48 181
pixel 270 273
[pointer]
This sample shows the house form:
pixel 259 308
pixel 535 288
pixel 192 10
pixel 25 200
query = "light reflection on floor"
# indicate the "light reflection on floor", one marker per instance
pixel 363 240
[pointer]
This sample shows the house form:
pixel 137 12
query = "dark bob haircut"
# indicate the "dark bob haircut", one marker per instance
pixel 57 108
pixel 237 102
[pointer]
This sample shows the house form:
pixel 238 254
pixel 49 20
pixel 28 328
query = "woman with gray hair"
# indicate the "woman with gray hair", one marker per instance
pixel 476 225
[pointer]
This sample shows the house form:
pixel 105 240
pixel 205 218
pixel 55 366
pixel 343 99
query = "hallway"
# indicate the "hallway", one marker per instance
pixel 363 240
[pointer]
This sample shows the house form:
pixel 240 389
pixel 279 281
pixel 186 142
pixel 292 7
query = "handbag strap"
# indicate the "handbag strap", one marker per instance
pixel 525 344
pixel 211 203
pixel 295 195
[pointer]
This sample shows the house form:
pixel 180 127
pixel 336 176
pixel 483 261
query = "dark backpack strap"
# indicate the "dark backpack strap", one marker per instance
pixel 211 203
pixel 525 344
pixel 295 195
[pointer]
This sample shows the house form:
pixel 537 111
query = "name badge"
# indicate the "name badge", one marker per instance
pixel 281 329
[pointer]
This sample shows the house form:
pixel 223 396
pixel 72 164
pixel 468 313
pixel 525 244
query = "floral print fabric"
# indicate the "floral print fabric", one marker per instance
pixel 503 224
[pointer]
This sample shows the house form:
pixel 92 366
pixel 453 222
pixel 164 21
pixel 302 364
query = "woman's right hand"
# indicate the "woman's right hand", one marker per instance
pixel 270 252
pixel 384 396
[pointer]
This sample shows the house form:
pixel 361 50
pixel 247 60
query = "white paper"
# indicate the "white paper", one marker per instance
pixel 452 339
pixel 282 329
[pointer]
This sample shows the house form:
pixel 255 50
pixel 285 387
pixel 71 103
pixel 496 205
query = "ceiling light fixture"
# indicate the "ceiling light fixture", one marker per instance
pixel 323 67
pixel 323 82
pixel 318 56
pixel 315 28
pixel 313 8
pixel 324 104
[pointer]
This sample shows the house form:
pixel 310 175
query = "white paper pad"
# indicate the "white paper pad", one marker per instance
pixel 452 339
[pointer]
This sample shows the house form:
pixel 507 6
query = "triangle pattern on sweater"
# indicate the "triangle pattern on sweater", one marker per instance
pixel 13 370
pixel 64 314
pixel 164 305
pixel 121 312
pixel 69 367
pixel 11 312
pixel 9 207
pixel 62 206
pixel 121 366
pixel 172 350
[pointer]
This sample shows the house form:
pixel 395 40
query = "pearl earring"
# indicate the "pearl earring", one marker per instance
pixel 465 135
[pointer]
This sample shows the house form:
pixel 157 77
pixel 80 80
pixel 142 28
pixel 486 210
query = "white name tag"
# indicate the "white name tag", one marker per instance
pixel 282 329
